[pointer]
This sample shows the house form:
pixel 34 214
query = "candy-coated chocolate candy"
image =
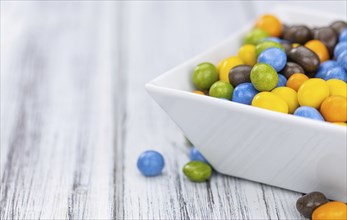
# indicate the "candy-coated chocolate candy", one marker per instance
pixel 282 80
pixel 197 171
pixel 264 77
pixel 296 80
pixel 319 48
pixel 227 65
pixel 328 37
pixel 275 57
pixel 337 87
pixel 313 92
pixel 198 92
pixel 274 39
pixel 240 74
pixel 270 101
pixel 332 210
pixel 309 202
pixel 289 95
pixel 324 68
pixel 221 89
pixel 338 26
pixel 291 68
pixel 244 93
pixel 306 58
pixel 247 53
pixel 150 163
pixel 255 36
pixel 297 34
pixel 343 36
pixel 342 60
pixel 205 74
pixel 334 109
pixel 308 112
pixel 270 24
pixel 340 47
pixel 336 73
pixel 194 154
pixel 287 46
pixel 266 45
pixel 340 123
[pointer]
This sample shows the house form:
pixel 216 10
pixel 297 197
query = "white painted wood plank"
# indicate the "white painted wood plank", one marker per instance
pixel 56 105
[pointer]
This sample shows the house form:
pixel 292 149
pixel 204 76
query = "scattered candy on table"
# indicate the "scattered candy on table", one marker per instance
pixel 194 154
pixel 316 206
pixel 150 163
pixel 197 171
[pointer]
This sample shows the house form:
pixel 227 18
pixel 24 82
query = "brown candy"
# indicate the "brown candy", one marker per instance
pixel 240 74
pixel 306 58
pixel 297 34
pixel 291 68
pixel 309 202
pixel 338 26
pixel 287 46
pixel 328 37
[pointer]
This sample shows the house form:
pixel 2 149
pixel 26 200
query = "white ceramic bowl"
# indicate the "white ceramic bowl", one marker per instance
pixel 283 150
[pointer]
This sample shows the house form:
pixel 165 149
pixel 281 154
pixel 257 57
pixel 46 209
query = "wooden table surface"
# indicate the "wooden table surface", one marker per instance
pixel 75 115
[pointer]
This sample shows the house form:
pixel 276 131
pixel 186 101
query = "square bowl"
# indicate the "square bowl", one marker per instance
pixel 282 150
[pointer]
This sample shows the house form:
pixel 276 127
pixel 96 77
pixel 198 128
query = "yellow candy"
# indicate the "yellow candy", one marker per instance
pixel 270 101
pixel 247 54
pixel 226 66
pixel 334 210
pixel 340 123
pixel 312 92
pixel 337 87
pixel 289 95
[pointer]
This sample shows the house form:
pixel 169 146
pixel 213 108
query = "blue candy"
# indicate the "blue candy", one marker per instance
pixel 274 39
pixel 342 60
pixel 244 93
pixel 194 154
pixel 273 56
pixel 150 163
pixel 325 67
pixel 343 36
pixel 282 80
pixel 336 73
pixel 308 112
pixel 340 47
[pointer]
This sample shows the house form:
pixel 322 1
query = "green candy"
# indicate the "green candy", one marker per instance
pixel 221 89
pixel 205 74
pixel 264 77
pixel 197 171
pixel 255 36
pixel 265 45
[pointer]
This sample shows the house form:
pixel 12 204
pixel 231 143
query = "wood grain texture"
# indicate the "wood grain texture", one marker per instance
pixel 75 115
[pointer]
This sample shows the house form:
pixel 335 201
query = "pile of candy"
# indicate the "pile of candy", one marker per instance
pixel 316 206
pixel 288 69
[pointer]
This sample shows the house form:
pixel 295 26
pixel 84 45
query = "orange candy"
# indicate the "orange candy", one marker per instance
pixel 334 108
pixel 199 92
pixel 296 80
pixel 270 24
pixel 319 48
pixel 331 210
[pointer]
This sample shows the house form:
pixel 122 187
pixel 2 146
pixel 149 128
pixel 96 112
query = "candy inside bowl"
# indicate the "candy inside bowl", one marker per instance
pixel 245 141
